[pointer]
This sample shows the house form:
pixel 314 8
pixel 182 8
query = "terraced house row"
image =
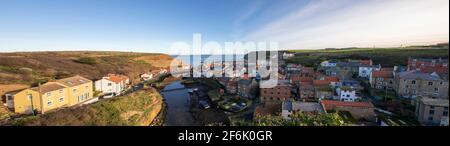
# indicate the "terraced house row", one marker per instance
pixel 51 95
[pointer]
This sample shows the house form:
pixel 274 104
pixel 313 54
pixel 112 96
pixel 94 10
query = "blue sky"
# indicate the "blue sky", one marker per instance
pixel 152 25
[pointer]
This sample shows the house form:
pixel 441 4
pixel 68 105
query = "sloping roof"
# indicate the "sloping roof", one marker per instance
pixel 365 62
pixel 73 81
pixel 329 104
pixel 435 102
pixel 382 74
pixel 321 82
pixel 414 74
pixel 51 86
pixel 331 79
pixel 116 78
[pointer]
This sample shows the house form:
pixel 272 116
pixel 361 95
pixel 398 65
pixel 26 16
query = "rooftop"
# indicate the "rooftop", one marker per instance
pixel 382 74
pixel 51 86
pixel 302 106
pixel 329 104
pixel 435 102
pixel 414 74
pixel 73 81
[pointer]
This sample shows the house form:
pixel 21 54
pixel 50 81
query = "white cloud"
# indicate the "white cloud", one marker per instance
pixel 327 23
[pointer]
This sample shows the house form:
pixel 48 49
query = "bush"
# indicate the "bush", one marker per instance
pixel 86 60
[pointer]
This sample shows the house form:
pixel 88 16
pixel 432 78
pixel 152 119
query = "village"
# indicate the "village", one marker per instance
pixel 362 92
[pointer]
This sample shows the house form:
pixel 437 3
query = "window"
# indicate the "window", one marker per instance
pixel 431 112
pixel 87 87
pixel 49 93
pixel 74 90
pixel 109 84
pixel 29 97
pixel 445 113
pixel 431 107
pixel 49 103
pixel 413 82
pixel 436 89
pixel 61 91
pixel 61 99
pixel 430 83
pixel 430 118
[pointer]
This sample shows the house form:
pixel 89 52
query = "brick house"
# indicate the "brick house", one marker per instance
pixel 281 91
pixel 382 79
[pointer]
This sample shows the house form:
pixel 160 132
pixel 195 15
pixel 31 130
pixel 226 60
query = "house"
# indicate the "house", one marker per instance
pixel 281 91
pixel 306 90
pixel 112 83
pixel 323 92
pixel 295 79
pixel 359 110
pixel 428 65
pixel 330 80
pixel 147 76
pixel 431 111
pixel 347 94
pixel 247 88
pixel 287 55
pixel 382 79
pixel 411 84
pixel 365 70
pixel 293 68
pixel 330 71
pixel 328 64
pixel 232 86
pixel 289 107
pixel 349 90
pixel 51 95
pixel 80 89
pixel 307 72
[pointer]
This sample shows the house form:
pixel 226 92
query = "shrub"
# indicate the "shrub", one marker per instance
pixel 86 60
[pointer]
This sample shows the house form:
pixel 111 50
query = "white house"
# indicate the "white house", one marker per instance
pixel 147 76
pixel 328 64
pixel 346 94
pixel 366 70
pixel 112 84
pixel 288 55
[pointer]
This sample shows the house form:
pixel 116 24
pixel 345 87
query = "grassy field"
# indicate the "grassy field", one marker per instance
pixel 135 109
pixel 387 57
pixel 30 68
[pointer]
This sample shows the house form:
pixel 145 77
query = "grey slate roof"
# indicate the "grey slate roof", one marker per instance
pixel 419 75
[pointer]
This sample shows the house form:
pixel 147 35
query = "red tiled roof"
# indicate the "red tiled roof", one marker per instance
pixel 329 104
pixel 332 79
pixel 365 62
pixel 116 78
pixel 382 74
pixel 321 82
